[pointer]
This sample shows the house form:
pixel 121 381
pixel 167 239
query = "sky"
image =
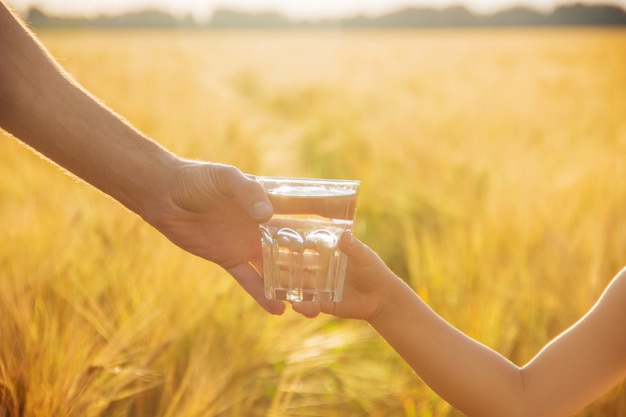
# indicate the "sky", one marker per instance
pixel 299 9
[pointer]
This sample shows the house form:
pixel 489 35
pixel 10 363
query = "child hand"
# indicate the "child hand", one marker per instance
pixel 366 285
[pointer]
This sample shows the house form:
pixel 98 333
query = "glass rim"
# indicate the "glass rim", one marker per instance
pixel 305 180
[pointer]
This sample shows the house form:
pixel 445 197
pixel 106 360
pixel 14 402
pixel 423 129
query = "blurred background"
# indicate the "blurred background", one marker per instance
pixel 489 139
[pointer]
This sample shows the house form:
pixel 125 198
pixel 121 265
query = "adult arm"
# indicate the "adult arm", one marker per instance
pixel 211 210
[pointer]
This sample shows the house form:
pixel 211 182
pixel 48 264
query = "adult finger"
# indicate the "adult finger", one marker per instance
pixel 251 281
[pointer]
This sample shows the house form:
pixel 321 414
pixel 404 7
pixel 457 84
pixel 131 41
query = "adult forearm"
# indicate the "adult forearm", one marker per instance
pixel 46 109
pixel 473 378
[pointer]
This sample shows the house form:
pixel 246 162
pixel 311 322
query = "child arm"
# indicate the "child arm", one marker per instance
pixel 568 373
pixel 571 371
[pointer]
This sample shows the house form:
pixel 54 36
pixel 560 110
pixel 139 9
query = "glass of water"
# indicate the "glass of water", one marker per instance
pixel 301 260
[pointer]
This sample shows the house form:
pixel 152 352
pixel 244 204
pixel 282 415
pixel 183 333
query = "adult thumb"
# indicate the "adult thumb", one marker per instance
pixel 251 195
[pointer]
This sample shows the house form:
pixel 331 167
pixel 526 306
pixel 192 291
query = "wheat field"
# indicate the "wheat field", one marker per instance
pixel 493 181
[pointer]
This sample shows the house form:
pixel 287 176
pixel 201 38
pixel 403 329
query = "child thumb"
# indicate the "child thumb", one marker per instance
pixel 358 252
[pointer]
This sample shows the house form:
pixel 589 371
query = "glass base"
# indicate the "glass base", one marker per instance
pixel 298 295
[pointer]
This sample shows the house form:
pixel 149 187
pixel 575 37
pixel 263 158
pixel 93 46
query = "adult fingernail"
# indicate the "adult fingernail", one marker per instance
pixel 261 209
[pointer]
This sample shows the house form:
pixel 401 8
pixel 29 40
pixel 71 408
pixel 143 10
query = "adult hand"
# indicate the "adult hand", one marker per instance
pixel 214 211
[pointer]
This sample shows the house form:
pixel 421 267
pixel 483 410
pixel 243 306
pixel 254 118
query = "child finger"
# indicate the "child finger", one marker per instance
pixel 307 308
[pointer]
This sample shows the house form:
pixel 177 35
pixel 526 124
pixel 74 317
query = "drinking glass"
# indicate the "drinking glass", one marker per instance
pixel 301 260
